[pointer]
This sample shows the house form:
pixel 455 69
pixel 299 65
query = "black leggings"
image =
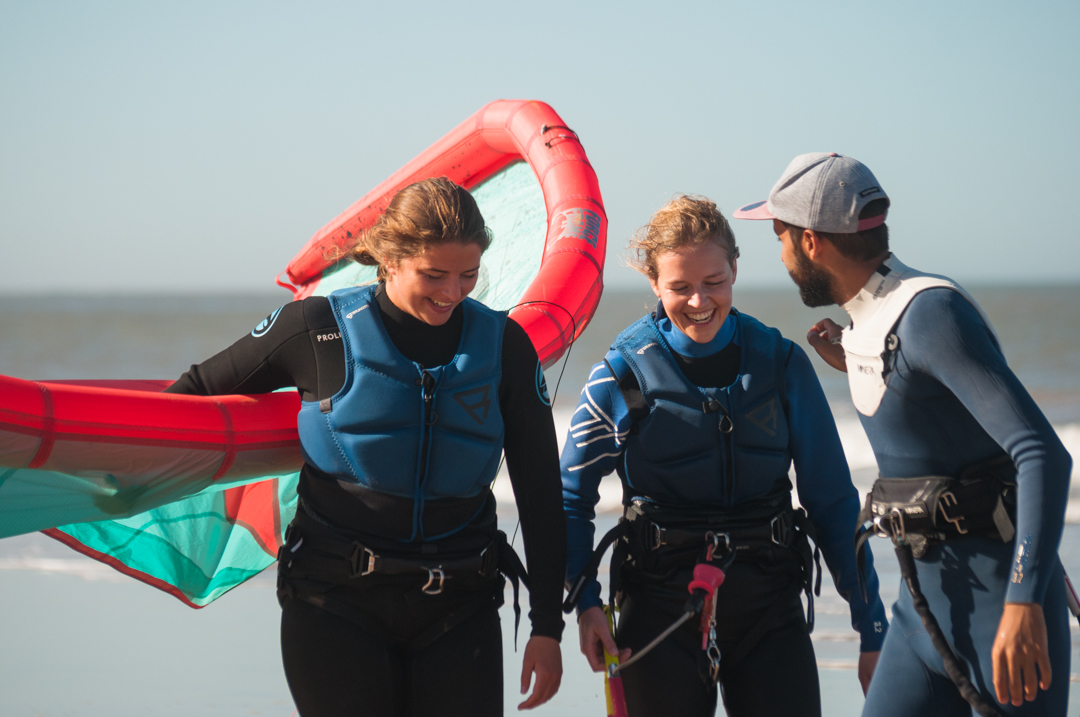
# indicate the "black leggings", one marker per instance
pixel 777 677
pixel 337 669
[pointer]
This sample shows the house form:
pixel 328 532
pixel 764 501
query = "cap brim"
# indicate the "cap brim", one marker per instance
pixel 757 210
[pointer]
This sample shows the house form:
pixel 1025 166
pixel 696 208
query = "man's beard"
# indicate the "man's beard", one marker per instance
pixel 815 285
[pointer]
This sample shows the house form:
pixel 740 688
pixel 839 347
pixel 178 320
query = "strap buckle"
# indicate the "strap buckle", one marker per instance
pixel 891 526
pixel 358 567
pixel 896 526
pixel 434 573
pixel 486 562
pixel 714 544
pixel 781 529
pixel 947 499
pixel 657 536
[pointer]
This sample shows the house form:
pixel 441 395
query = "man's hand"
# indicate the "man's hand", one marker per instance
pixel 867 665
pixel 595 636
pixel 542 656
pixel 824 336
pixel 1019 647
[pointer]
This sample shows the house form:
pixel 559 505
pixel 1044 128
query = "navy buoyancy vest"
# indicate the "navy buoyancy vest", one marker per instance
pixel 715 446
pixel 402 430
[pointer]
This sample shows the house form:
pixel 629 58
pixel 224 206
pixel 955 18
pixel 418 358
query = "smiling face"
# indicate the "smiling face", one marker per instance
pixel 694 284
pixel 431 285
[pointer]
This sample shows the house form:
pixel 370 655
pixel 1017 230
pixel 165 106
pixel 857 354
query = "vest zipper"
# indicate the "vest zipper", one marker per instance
pixel 727 427
pixel 427 382
pixel 730 473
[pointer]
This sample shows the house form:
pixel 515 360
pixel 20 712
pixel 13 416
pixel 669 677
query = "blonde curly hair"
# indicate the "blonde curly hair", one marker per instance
pixel 687 220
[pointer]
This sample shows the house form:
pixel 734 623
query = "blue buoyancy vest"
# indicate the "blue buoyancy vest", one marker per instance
pixel 403 430
pixel 705 446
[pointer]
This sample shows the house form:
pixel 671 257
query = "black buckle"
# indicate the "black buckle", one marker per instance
pixel 357 566
pixel 780 529
pixel 657 536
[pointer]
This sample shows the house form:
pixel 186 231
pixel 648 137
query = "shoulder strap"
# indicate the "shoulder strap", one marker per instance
pixel 628 385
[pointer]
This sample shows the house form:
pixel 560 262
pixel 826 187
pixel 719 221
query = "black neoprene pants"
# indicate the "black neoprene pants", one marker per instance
pixel 338 669
pixel 778 676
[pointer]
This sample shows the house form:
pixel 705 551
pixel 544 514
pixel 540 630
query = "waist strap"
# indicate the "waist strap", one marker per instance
pixel 332 557
pixel 931 510
pixel 643 529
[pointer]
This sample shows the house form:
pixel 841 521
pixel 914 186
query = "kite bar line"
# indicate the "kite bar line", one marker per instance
pixel 656 641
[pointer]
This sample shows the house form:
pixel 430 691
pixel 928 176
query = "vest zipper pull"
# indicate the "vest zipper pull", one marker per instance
pixel 428 381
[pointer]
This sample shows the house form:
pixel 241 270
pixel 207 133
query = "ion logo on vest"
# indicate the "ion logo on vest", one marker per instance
pixel 476 403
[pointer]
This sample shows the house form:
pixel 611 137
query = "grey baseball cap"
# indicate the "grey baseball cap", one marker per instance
pixel 820 191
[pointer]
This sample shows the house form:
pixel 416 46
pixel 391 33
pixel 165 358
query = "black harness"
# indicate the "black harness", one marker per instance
pixel 318 557
pixel 660 540
pixel 916 513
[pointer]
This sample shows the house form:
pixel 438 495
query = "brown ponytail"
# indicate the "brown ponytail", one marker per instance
pixel 424 214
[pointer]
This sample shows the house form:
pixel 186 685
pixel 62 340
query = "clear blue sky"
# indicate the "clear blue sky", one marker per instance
pixel 194 146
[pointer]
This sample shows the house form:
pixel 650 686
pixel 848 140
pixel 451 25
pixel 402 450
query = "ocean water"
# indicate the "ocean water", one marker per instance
pixel 81 639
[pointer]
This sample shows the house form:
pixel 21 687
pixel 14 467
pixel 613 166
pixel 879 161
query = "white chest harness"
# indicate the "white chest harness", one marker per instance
pixel 875 311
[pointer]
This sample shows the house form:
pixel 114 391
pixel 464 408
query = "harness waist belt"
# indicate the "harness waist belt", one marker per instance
pixel 778 530
pixel 333 554
pixel 647 528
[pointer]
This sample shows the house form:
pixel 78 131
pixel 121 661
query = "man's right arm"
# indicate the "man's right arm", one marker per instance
pixel 824 336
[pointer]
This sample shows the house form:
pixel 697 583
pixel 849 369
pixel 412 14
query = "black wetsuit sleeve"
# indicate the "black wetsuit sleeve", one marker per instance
pixel 532 459
pixel 298 345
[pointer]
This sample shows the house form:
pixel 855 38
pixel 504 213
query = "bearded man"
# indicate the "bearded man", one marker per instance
pixel 974 481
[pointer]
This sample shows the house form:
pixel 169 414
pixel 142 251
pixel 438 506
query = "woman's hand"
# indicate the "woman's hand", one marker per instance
pixel 595 636
pixel 543 657
pixel 824 336
pixel 867 665
pixel 1020 647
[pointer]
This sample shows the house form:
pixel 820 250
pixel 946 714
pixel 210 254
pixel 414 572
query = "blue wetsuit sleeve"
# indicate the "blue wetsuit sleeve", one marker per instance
pixel 957 348
pixel 830 499
pixel 594 446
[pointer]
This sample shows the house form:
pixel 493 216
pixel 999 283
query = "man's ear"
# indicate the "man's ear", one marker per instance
pixel 813 244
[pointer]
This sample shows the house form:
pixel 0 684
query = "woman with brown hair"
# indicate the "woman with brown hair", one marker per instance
pixel 702 410
pixel 392 572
